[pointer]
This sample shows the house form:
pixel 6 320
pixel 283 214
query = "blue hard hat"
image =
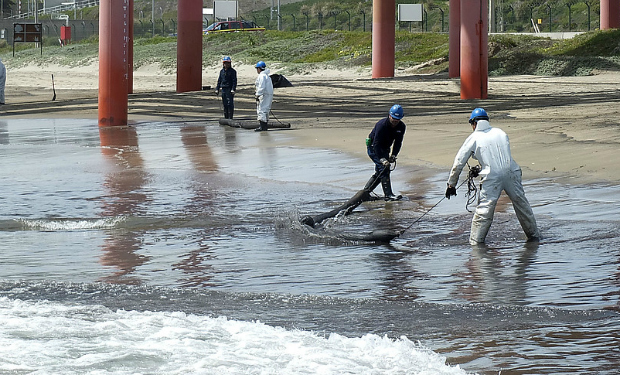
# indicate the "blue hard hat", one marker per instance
pixel 397 112
pixel 226 59
pixel 261 64
pixel 478 114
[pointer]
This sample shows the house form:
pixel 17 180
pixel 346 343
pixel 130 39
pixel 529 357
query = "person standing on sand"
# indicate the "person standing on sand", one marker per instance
pixel 264 95
pixel 2 81
pixel 227 82
pixel 387 133
pixel 491 147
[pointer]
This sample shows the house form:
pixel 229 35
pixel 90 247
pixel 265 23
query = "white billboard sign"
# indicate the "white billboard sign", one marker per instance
pixel 225 10
pixel 410 12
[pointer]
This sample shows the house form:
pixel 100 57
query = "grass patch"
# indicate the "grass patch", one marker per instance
pixel 585 54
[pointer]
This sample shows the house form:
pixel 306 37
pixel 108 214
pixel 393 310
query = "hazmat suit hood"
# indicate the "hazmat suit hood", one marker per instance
pixel 483 125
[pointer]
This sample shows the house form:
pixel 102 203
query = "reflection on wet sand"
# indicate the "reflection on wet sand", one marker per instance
pixel 486 276
pixel 195 264
pixel 124 197
pixel 4 133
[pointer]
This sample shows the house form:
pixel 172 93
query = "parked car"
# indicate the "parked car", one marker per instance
pixel 232 26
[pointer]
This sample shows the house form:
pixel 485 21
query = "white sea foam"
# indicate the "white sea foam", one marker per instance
pixel 51 338
pixel 71 224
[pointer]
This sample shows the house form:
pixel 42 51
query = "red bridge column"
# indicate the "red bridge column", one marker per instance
pixel 129 50
pixel 189 45
pixel 474 49
pixel 113 62
pixel 383 38
pixel 610 14
pixel 454 37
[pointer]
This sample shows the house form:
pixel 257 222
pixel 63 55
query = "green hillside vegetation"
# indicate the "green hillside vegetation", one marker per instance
pixel 299 51
pixel 356 15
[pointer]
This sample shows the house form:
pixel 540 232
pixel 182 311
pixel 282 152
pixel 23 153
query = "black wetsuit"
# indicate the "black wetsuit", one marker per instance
pixel 227 82
pixel 383 137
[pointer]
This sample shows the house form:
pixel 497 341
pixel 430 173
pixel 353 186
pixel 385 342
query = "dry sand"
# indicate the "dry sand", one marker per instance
pixel 563 128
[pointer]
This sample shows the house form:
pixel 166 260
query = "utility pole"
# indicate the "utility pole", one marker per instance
pixel 278 15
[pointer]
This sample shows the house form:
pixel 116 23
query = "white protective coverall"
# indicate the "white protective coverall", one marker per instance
pixel 264 91
pixel 2 81
pixel 491 147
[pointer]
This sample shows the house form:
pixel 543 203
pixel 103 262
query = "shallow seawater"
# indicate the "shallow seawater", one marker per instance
pixel 176 248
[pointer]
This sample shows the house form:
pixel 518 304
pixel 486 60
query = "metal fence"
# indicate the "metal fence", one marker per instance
pixel 546 17
pixel 570 16
pixel 80 29
pixel 62 8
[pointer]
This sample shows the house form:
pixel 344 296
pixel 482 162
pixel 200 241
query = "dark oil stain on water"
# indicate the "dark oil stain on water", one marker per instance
pixel 176 248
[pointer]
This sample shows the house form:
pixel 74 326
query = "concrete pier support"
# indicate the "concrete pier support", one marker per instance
pixel 454 37
pixel 114 18
pixel 474 49
pixel 130 50
pixel 610 14
pixel 383 38
pixel 189 46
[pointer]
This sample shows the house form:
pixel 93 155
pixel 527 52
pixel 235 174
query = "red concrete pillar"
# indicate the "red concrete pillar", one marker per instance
pixel 454 37
pixel 189 45
pixel 130 50
pixel 474 49
pixel 113 62
pixel 383 38
pixel 610 14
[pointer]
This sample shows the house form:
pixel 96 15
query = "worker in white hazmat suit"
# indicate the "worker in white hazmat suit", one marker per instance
pixel 2 81
pixel 499 172
pixel 264 95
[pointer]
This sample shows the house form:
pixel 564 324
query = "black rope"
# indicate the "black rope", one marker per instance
pixel 473 172
pixel 274 116
pixel 472 189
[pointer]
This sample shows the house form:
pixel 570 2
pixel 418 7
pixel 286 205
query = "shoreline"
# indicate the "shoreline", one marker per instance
pixel 565 129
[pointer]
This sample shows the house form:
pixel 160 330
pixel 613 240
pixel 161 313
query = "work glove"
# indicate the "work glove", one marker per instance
pixel 232 92
pixel 257 98
pixel 217 92
pixel 450 191
pixel 385 162
pixel 392 159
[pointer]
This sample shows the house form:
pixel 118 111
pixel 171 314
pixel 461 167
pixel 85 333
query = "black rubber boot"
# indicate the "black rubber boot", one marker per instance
pixel 230 113
pixel 386 184
pixel 372 183
pixel 226 115
pixel 262 127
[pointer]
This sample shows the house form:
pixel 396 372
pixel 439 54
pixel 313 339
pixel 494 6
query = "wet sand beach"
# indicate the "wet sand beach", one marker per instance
pixel 182 236
pixel 564 128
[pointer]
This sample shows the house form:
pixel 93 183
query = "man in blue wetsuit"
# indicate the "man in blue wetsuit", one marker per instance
pixel 227 82
pixel 387 133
